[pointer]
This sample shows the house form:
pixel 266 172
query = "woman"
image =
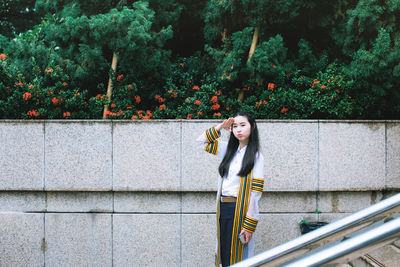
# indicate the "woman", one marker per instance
pixel 240 186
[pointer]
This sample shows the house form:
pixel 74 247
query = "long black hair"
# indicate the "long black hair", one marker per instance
pixel 251 151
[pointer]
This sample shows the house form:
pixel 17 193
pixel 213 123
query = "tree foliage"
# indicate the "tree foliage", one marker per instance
pixel 312 59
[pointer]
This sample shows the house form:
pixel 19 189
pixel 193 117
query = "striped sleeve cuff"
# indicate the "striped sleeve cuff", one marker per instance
pixel 212 148
pixel 212 134
pixel 249 224
pixel 257 185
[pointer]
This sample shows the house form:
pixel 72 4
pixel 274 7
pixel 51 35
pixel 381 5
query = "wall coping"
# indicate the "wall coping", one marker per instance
pixel 194 121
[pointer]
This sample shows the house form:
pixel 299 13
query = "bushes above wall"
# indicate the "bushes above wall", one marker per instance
pixel 279 59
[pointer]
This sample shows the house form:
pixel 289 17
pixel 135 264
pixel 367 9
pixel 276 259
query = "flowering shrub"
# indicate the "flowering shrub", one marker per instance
pixel 324 97
pixel 48 96
pixel 187 94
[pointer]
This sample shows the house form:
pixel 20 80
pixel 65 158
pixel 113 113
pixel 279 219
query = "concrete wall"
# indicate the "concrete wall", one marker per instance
pixel 141 193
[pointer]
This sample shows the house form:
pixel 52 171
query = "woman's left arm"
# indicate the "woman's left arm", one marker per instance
pixel 252 216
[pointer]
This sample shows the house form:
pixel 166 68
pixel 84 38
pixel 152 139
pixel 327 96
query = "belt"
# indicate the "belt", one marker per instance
pixel 228 199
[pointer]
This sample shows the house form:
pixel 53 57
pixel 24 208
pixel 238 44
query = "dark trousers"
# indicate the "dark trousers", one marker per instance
pixel 226 226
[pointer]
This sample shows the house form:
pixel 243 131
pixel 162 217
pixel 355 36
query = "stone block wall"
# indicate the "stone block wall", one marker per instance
pixel 142 193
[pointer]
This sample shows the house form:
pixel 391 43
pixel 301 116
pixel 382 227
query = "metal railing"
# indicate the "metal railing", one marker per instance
pixel 320 246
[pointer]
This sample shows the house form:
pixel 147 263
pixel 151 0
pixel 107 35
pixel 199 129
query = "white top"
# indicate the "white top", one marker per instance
pixel 231 181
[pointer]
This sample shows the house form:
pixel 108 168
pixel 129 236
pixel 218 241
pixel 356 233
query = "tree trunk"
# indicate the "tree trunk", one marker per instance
pixel 109 88
pixel 251 53
pixel 223 37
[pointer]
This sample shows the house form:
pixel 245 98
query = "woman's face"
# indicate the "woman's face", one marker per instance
pixel 241 129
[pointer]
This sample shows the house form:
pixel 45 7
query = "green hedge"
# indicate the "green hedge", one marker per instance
pixel 180 59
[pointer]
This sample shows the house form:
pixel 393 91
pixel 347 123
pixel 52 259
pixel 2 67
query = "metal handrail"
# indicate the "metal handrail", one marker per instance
pixel 324 235
pixel 351 248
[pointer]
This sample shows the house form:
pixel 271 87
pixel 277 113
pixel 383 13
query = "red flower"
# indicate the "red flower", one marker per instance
pixel 120 112
pixel 259 83
pixel 200 113
pixel 215 107
pixel 218 93
pixel 64 84
pixel 134 117
pixel 173 93
pixel 284 110
pixel 147 117
pixel 323 87
pixel 49 70
pixel 149 113
pixel 27 95
pixel 315 82
pixel 189 116
pixel 162 107
pixel 3 56
pixel 120 77
pixel 196 87
pixel 31 86
pixel 33 113
pixel 113 105
pixel 265 102
pixel 217 114
pixel 54 100
pixel 130 87
pixel 214 99
pixel 228 108
pixel 157 96
pixel 66 114
pixel 129 107
pixel 160 99
pixel 137 99
pixel 197 102
pixel 258 104
pixel 271 86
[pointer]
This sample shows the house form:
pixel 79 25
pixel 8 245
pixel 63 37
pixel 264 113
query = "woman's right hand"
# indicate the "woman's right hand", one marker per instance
pixel 226 124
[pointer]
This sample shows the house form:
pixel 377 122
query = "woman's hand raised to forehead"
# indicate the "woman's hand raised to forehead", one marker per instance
pixel 226 124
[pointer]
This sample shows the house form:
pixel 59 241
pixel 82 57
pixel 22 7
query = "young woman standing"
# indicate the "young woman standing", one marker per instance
pixel 241 181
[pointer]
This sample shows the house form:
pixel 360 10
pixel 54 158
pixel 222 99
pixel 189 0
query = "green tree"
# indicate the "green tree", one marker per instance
pixel 84 47
pixel 17 16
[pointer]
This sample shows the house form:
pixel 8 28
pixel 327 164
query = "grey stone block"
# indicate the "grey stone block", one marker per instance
pixel 275 229
pixel 21 156
pixel 22 201
pixel 331 217
pixel 78 239
pixel 387 255
pixel 352 156
pixel 393 156
pixel 199 168
pixel 147 202
pixel 146 240
pixel 291 156
pixel 286 202
pixel 198 240
pixel 344 201
pixel 146 156
pixel 199 202
pixel 79 202
pixel 78 156
pixel 21 239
